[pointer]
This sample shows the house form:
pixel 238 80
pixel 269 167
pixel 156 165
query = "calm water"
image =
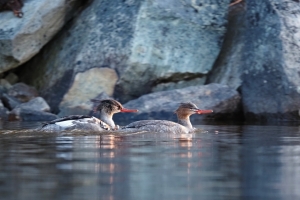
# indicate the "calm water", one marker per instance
pixel 220 162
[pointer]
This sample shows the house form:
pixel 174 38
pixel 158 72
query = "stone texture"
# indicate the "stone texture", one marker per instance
pixel 21 114
pixel 12 78
pixel 229 64
pixel 174 41
pixel 149 43
pixel 3 112
pixel 263 59
pixel 22 38
pixel 38 104
pixel 224 101
pixel 86 86
pixel 22 92
pixel 4 86
pixel 9 101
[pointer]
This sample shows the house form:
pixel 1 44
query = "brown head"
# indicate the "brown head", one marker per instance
pixel 187 109
pixel 110 106
pixel 16 7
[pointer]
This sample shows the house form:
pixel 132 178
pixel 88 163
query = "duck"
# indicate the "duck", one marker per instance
pixel 106 107
pixel 184 125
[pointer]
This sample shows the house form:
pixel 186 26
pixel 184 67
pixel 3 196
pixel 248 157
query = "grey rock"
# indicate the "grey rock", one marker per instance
pixel 22 92
pixel 229 65
pixel 224 101
pixel 262 59
pixel 9 101
pixel 147 42
pixel 21 114
pixel 3 112
pixel 22 38
pixel 37 104
pixel 12 78
pixel 4 86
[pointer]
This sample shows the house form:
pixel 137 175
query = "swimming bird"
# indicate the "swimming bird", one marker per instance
pixel 183 112
pixel 107 109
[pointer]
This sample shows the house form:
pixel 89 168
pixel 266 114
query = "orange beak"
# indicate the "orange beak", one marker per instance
pixel 204 111
pixel 128 110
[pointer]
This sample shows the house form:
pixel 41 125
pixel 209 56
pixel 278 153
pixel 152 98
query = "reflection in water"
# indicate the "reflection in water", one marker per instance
pixel 240 162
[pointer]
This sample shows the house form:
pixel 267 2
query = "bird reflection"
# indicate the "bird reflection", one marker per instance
pixel 185 140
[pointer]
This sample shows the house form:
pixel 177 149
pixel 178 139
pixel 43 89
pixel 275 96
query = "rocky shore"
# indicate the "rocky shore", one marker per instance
pixel 239 59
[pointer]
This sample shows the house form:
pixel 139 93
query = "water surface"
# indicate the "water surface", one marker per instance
pixel 218 162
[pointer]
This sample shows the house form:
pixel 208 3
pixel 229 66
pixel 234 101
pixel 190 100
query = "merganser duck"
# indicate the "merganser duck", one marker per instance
pixel 184 111
pixel 107 109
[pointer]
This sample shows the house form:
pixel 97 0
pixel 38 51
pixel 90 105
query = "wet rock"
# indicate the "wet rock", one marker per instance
pixel 22 114
pixel 9 101
pixel 261 58
pixel 148 43
pixel 22 38
pixel 22 92
pixel 37 104
pixel 224 101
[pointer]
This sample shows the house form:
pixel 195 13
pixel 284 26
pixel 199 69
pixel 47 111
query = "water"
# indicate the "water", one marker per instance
pixel 219 162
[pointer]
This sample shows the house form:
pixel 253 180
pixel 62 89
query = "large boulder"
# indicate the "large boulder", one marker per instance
pixel 261 58
pixel 223 100
pixel 152 45
pixel 22 38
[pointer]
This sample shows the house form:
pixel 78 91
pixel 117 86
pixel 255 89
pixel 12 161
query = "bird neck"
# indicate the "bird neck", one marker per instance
pixel 107 118
pixel 184 120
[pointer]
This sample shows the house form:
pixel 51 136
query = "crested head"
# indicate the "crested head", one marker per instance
pixel 108 106
pixel 188 105
pixel 187 109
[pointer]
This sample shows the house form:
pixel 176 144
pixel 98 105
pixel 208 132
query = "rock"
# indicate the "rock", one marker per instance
pixel 167 45
pixel 22 92
pixel 86 86
pixel 4 86
pixel 3 112
pixel 38 104
pixel 9 101
pixel 12 78
pixel 21 114
pixel 229 65
pixel 224 101
pixel 22 38
pixel 148 43
pixel 177 85
pixel 262 59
